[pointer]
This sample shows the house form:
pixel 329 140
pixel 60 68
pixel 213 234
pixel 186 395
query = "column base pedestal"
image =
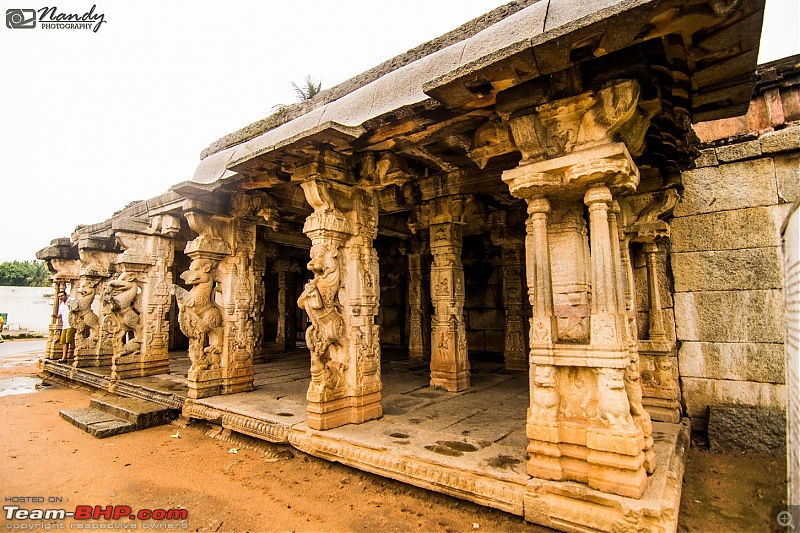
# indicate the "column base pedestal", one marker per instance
pixel 348 410
pixel 132 366
pixel 205 383
pixel 240 380
pixel 450 381
pixel 518 364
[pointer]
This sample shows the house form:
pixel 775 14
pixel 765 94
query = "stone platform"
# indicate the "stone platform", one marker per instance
pixel 469 444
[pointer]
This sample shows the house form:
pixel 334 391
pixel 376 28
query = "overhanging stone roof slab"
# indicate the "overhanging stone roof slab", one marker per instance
pixel 539 39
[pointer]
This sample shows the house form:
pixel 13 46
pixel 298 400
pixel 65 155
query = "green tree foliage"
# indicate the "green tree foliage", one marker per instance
pixel 24 274
pixel 308 89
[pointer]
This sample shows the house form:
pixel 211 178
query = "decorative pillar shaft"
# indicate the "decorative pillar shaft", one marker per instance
pixel 287 310
pixel 217 313
pixel 540 288
pixel 237 282
pixel 516 353
pixel 449 356
pixel 418 298
pixel 62 260
pixel 341 302
pixel 138 299
pixel 656 318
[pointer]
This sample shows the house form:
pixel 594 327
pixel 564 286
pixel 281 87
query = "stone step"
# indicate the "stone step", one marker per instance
pixel 97 423
pixel 141 413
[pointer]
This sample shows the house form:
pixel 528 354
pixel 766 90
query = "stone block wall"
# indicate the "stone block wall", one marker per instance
pixel 727 266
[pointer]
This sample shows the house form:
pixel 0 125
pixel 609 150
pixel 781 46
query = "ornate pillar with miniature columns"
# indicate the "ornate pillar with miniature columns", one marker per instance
pixel 137 300
pixel 342 298
pixel 661 393
pixel 585 421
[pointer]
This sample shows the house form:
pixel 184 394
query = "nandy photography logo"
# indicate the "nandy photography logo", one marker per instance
pixel 50 18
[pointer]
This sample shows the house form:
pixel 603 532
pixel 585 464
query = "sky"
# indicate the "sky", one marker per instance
pixel 93 120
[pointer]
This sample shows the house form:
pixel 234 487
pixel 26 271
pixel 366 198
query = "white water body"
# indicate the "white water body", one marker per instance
pixel 27 307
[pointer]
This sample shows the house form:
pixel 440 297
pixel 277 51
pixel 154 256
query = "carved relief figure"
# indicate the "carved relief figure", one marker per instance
pixel 612 400
pixel 663 373
pixel 544 395
pixel 633 388
pixel 122 297
pixel 199 317
pixel 320 299
pixel 87 323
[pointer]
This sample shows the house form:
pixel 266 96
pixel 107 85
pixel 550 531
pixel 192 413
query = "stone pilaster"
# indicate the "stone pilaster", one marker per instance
pixel 343 297
pixel 419 334
pixel 660 390
pixel 585 421
pixel 137 300
pixel 286 272
pixel 449 355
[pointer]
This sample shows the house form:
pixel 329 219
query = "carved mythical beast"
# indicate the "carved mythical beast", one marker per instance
pixel 320 301
pixel 122 297
pixel 87 323
pixel 199 317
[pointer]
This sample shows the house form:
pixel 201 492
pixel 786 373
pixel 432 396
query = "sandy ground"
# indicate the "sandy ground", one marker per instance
pixel 281 489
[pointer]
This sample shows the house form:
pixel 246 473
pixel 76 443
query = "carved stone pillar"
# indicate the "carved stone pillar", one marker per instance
pixel 286 338
pixel 93 347
pixel 237 282
pixel 138 299
pixel 419 335
pixel 62 261
pixel 585 422
pixel 512 263
pixel 449 356
pixel 342 299
pixel 199 309
pixel 217 313
pixel 259 300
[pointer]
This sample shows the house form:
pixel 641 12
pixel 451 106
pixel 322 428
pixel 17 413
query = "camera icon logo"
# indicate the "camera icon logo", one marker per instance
pixel 20 18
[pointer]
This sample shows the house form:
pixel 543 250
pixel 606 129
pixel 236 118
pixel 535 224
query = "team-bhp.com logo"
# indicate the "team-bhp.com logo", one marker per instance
pixel 49 18
pixel 155 518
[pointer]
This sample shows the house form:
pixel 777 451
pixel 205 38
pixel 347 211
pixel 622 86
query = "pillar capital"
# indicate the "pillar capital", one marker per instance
pixel 596 195
pixel 592 118
pixel 538 205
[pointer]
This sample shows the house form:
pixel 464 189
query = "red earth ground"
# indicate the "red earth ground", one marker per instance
pixel 277 488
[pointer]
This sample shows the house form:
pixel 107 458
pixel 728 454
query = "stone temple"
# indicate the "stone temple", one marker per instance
pixel 516 264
